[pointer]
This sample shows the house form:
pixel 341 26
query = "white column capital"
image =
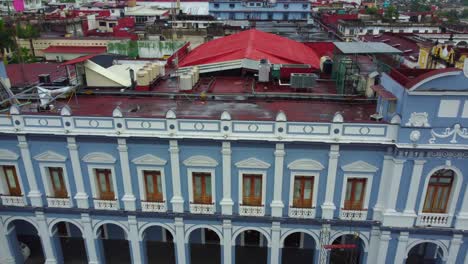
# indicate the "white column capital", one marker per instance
pixel 419 162
pixel 399 161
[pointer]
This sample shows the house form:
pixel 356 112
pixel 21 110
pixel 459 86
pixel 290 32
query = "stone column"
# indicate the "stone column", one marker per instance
pixel 409 214
pixel 128 198
pixel 136 246
pixel 180 241
pixel 277 203
pixel 383 246
pixel 91 243
pixel 227 242
pixel 373 245
pixel 81 197
pixel 177 201
pixel 226 203
pixel 454 248
pixel 275 243
pixel 50 251
pixel 7 256
pixel 382 195
pixel 400 254
pixel 391 217
pixel 34 193
pixel 462 217
pixel 328 207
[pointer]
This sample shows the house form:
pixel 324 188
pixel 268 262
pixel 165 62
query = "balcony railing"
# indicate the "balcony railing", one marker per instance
pixel 153 206
pixel 431 219
pixel 59 202
pixel 12 200
pixel 250 210
pixel 106 204
pixel 357 215
pixel 202 208
pixel 301 212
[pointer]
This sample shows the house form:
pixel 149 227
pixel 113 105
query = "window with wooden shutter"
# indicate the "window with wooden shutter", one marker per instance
pixel 438 191
pixel 153 186
pixel 104 183
pixel 57 182
pixel 202 188
pixel 14 188
pixel 355 192
pixel 252 189
pixel 303 191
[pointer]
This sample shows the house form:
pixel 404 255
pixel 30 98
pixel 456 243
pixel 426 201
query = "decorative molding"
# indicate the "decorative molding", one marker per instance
pixel 225 116
pixel 6 154
pixel 200 161
pixel 281 117
pixel 252 163
pixel 396 119
pixel 50 156
pixel 171 114
pixel 117 112
pixel 338 118
pixel 66 111
pixel 456 131
pixel 306 164
pixel 149 159
pixel 359 166
pixel 415 135
pixel 99 157
pixel 418 119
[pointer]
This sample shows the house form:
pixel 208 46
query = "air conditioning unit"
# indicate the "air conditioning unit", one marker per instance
pixel 303 80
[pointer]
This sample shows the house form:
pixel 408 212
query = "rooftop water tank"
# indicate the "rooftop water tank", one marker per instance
pixel 264 71
pixel 185 82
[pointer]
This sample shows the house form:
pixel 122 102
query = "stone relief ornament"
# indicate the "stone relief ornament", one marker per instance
pixel 456 131
pixel 415 135
pixel 418 120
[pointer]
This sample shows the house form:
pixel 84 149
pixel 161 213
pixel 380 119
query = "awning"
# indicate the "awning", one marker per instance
pixel 78 60
pixel 384 93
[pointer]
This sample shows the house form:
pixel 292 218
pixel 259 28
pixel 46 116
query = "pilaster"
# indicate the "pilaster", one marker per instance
pixel 90 240
pixel 383 246
pixel 226 203
pixel 275 243
pixel 6 253
pixel 328 207
pixel 50 251
pixel 180 241
pixel 81 197
pixel 136 245
pixel 128 199
pixel 34 193
pixel 373 245
pixel 454 248
pixel 277 203
pixel 391 216
pixel 409 214
pixel 177 201
pixel 400 254
pixel 461 221
pixel 227 243
pixel 382 195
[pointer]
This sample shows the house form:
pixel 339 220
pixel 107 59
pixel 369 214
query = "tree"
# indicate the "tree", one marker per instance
pixel 22 55
pixel 28 32
pixel 391 13
pixel 6 37
pixel 419 6
pixel 371 10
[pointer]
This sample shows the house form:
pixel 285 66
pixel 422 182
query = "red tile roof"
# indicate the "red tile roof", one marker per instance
pixel 383 93
pixel 252 44
pixel 27 74
pixel 75 49
pixel 400 41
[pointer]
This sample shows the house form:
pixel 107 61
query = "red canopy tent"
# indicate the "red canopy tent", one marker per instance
pixel 255 45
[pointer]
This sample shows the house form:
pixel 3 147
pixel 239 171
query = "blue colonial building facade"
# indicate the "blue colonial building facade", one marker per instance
pixel 260 10
pixel 175 190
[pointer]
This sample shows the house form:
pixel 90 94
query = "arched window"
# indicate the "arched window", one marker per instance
pixel 438 191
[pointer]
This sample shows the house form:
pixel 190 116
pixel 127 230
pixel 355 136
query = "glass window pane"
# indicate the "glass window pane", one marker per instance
pixel 56 179
pixel 150 184
pixel 246 187
pixel 358 191
pixel 297 189
pixel 428 202
pixel 208 185
pixel 349 186
pixel 158 179
pixel 443 198
pixel 433 180
pixel 308 189
pixel 445 180
pixel 102 182
pixel 11 178
pixel 198 186
pixel 258 187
